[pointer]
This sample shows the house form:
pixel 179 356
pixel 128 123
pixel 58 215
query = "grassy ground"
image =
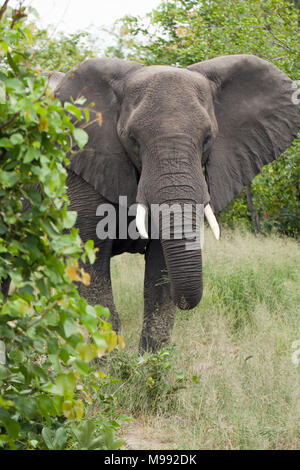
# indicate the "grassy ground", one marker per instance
pixel 228 381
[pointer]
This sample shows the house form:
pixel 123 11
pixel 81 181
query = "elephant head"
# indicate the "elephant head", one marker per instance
pixel 163 125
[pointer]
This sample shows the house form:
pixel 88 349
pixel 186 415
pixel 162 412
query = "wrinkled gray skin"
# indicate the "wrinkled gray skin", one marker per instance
pixel 161 126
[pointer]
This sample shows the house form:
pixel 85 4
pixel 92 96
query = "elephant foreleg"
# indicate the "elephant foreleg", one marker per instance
pixel 99 291
pixel 159 309
pixel 85 200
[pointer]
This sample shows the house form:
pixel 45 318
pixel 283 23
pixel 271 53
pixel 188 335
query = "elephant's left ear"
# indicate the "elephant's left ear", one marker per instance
pixel 103 162
pixel 258 117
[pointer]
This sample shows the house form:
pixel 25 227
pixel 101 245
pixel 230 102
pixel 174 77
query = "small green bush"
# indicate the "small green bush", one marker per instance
pixel 148 383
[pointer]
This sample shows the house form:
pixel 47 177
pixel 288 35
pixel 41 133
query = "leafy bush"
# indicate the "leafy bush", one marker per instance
pixel 148 383
pixel 63 51
pixel 46 382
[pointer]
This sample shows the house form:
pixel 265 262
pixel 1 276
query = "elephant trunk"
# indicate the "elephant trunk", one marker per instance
pixel 184 265
pixel 174 190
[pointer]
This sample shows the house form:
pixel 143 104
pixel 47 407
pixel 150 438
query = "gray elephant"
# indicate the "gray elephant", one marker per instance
pixel 162 126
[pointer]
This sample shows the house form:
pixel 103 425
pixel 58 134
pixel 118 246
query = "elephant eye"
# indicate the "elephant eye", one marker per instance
pixel 133 141
pixel 207 140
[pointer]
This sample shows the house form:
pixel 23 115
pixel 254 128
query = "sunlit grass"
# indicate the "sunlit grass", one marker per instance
pixel 235 350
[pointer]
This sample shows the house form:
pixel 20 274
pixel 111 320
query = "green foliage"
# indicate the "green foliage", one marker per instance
pixel 277 193
pixel 63 51
pixel 84 434
pixel 182 32
pixel 148 383
pixel 46 382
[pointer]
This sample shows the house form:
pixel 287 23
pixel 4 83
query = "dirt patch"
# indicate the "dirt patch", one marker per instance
pixel 142 436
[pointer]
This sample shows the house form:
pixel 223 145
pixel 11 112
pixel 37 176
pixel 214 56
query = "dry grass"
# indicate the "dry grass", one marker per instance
pixel 238 344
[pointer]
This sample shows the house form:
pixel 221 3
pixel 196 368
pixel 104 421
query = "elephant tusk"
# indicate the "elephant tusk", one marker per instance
pixel 141 214
pixel 211 219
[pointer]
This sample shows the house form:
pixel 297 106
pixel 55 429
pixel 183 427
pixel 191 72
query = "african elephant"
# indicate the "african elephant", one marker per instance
pixel 171 136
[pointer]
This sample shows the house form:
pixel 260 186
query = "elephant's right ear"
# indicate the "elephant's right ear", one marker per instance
pixel 103 163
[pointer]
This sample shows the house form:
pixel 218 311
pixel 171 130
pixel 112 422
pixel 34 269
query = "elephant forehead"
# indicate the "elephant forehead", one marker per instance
pixel 163 77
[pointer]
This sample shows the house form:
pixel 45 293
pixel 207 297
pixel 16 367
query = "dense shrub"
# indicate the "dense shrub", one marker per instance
pixel 46 382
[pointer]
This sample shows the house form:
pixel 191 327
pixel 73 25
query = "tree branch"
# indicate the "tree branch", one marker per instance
pixel 279 42
pixel 3 8
pixel 9 121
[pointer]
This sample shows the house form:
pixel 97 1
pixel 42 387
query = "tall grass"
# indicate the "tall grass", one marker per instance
pixel 233 353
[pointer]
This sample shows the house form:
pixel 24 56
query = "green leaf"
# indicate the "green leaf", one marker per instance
pixel 8 178
pixel 102 311
pixel 74 110
pixel 82 367
pixel 47 435
pixel 13 428
pixel 60 439
pixel 30 155
pixel 70 219
pixel 46 406
pixel 16 139
pixel 51 229
pixel 2 93
pixel 69 327
pixel 90 322
pixel 4 46
pixel 26 406
pixel 28 34
pixel 54 440
pixel 6 143
pixel 65 384
pixel 16 355
pixel 99 340
pixel 89 248
pixel 14 84
pixel 87 352
pixel 3 372
pixel 43 287
pixel 81 137
pixel 84 435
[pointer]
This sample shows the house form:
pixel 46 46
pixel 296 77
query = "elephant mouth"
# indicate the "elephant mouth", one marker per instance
pixel 142 216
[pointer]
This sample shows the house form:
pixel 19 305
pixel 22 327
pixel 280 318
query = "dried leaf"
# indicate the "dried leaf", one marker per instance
pixel 43 124
pixel 67 409
pixel 99 119
pixel 121 342
pixel 86 279
pixel 73 272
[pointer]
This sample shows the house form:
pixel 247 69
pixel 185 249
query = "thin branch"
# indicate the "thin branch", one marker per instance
pixel 9 121
pixel 279 42
pixel 3 8
pixel 18 15
pixel 277 58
